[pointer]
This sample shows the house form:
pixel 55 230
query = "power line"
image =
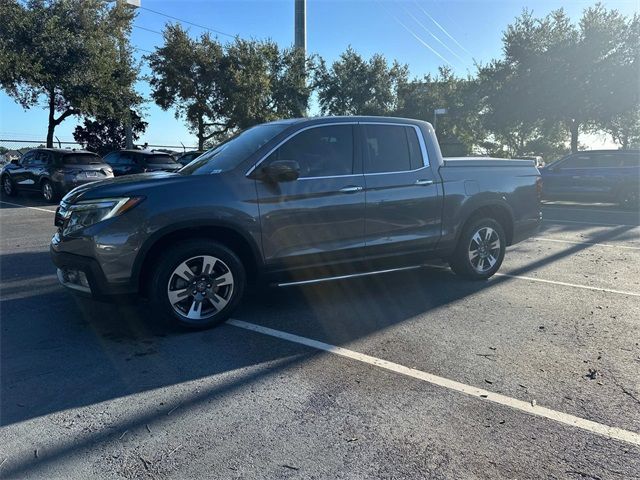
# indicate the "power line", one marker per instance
pixel 414 35
pixel 148 29
pixel 188 22
pixel 432 34
pixel 442 28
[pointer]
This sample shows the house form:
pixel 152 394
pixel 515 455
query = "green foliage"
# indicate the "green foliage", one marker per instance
pixel 219 88
pixel 557 77
pixel 105 134
pixel 67 53
pixel 459 130
pixel 354 86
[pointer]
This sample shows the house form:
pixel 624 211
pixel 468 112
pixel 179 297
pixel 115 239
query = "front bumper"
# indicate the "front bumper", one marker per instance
pixel 69 265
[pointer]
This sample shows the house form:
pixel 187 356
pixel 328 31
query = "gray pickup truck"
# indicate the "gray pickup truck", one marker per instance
pixel 292 201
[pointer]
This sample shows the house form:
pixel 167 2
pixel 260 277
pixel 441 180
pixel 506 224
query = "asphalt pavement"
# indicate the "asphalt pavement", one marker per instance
pixel 415 374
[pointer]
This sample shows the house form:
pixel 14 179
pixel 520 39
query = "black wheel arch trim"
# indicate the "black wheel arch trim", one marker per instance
pixel 157 236
pixel 472 205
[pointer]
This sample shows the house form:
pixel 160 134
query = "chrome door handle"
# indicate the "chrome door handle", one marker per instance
pixel 351 189
pixel 424 182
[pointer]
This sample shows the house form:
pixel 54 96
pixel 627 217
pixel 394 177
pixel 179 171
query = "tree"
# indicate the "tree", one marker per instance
pixel 187 76
pixel 459 130
pixel 354 86
pixel 576 76
pixel 73 53
pixel 104 134
pixel 625 128
pixel 219 88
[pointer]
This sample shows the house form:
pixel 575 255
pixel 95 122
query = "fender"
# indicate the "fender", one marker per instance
pixel 476 202
pixel 191 223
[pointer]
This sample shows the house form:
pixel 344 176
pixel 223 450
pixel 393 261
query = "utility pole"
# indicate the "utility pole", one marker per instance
pixel 128 131
pixel 300 41
pixel 300 20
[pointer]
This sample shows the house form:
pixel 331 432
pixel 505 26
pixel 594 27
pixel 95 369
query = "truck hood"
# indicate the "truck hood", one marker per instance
pixel 127 185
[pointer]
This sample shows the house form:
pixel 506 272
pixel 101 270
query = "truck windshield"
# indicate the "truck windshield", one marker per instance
pixel 229 154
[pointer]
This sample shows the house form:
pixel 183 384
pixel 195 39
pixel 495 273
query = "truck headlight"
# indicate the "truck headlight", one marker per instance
pixel 89 212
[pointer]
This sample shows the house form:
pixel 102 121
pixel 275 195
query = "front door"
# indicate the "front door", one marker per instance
pixel 21 176
pixel 318 218
pixel 404 207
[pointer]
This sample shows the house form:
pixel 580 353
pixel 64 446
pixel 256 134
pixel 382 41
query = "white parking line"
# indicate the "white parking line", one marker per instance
pixel 583 210
pixel 25 206
pixel 554 282
pixel 557 240
pixel 599 224
pixel 527 407
pixel 574 285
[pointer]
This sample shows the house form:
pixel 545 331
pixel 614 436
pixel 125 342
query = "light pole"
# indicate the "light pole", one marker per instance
pixel 436 112
pixel 128 131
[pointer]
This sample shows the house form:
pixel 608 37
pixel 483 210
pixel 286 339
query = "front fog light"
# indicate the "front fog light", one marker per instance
pixel 76 277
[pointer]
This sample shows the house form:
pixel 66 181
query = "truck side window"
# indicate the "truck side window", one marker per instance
pixel 320 151
pixel 386 149
pixel 414 148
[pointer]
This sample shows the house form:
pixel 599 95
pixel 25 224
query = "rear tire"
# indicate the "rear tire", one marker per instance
pixel 480 249
pixel 48 192
pixel 197 284
pixel 8 187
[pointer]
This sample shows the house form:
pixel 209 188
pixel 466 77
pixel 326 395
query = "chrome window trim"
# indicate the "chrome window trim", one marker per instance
pixel 282 142
pixel 421 141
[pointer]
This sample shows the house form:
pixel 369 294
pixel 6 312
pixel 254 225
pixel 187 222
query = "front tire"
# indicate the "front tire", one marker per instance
pixel 8 187
pixel 480 250
pixel 48 192
pixel 198 284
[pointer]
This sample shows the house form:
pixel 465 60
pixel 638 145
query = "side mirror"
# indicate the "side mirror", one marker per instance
pixel 282 171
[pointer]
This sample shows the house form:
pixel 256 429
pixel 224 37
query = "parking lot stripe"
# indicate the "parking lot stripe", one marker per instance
pixel 528 407
pixel 566 284
pixel 25 206
pixel 599 224
pixel 585 243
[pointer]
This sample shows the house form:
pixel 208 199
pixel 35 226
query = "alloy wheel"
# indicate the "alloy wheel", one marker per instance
pixel 484 249
pixel 200 287
pixel 7 186
pixel 47 191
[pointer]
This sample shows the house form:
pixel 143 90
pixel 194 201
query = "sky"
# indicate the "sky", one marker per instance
pixel 421 33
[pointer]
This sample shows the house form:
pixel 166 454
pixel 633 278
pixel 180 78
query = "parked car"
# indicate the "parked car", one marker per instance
pixel 188 157
pixel 595 175
pixel 126 162
pixel 295 201
pixel 52 172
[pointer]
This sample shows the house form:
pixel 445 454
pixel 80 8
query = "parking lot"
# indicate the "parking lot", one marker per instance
pixel 415 374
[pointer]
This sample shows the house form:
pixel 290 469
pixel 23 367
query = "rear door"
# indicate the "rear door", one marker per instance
pixel 320 216
pixel 37 168
pixel 403 213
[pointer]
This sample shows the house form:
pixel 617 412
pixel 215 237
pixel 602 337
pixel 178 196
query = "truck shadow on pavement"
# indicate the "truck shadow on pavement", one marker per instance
pixel 60 352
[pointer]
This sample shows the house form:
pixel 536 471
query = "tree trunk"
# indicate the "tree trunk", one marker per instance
pixel 573 128
pixel 200 133
pixel 52 121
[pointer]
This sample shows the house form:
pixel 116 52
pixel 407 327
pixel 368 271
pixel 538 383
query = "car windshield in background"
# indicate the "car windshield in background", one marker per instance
pixel 81 159
pixel 159 159
pixel 229 154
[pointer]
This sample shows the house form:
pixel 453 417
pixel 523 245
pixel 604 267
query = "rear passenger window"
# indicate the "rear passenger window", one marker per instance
pixel 414 148
pixel 387 149
pixel 320 151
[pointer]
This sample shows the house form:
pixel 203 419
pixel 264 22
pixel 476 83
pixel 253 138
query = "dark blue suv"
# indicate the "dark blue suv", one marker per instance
pixel 595 175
